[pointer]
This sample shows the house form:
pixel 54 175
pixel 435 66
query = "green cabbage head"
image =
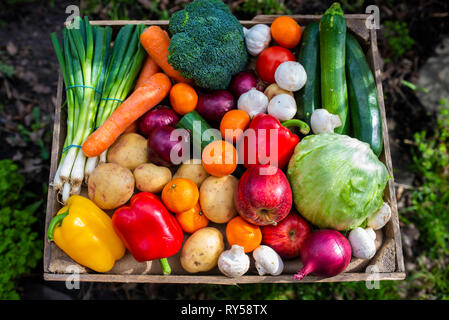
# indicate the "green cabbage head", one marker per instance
pixel 337 181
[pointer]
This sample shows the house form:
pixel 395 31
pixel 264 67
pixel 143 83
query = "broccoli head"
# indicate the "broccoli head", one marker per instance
pixel 207 44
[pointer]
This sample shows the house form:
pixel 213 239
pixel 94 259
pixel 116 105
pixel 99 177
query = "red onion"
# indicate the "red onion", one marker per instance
pixel 324 253
pixel 243 82
pixel 213 105
pixel 156 118
pixel 160 145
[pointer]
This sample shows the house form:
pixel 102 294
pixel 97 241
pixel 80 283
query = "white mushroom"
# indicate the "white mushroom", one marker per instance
pixel 290 76
pixel 268 261
pixel 257 38
pixel 380 218
pixel 253 102
pixel 322 121
pixel 234 262
pixel 282 107
pixel 363 243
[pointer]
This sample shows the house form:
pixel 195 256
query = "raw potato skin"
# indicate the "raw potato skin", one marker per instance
pixel 130 150
pixel 192 171
pixel 151 178
pixel 217 198
pixel 110 185
pixel 202 250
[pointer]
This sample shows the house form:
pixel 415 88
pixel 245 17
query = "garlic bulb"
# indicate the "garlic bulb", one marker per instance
pixel 257 38
pixel 322 121
pixel 234 262
pixel 363 243
pixel 267 261
pixel 290 76
pixel 380 218
pixel 282 107
pixel 253 102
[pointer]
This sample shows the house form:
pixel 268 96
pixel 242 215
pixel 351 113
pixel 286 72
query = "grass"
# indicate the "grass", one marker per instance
pixel 254 7
pixel 398 37
pixel 20 248
pixel 6 70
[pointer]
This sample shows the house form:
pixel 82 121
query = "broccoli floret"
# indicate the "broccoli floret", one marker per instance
pixel 207 44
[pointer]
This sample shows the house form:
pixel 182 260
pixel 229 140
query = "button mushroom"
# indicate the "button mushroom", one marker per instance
pixel 290 76
pixel 234 262
pixel 363 243
pixel 267 261
pixel 282 107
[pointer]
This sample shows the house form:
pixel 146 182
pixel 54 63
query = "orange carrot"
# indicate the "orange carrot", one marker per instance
pixel 149 68
pixel 140 101
pixel 133 127
pixel 156 42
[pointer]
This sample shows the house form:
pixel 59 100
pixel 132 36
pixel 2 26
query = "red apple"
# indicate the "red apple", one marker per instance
pixel 287 236
pixel 263 195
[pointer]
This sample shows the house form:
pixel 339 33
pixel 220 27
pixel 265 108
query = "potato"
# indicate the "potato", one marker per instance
pixel 151 178
pixel 202 250
pixel 273 90
pixel 110 185
pixel 130 150
pixel 217 198
pixel 192 171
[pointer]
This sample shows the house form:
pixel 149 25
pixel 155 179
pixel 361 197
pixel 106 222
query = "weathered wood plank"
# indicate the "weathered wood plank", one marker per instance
pixel 220 279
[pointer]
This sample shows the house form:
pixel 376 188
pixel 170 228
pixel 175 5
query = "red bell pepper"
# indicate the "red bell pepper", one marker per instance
pixel 267 141
pixel 148 230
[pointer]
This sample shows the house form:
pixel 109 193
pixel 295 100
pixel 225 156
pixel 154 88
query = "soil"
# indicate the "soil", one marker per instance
pixel 27 101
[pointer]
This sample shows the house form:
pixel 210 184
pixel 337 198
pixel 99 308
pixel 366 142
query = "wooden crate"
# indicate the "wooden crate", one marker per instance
pixel 388 259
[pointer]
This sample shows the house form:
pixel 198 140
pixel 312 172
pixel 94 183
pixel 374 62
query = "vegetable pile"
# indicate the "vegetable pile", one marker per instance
pixel 229 147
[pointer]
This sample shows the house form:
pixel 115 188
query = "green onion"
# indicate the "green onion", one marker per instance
pixel 95 76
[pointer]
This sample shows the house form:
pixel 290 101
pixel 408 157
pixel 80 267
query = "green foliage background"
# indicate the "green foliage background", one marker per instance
pixel 20 249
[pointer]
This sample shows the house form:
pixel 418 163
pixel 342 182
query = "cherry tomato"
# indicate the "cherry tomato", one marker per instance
pixel 268 61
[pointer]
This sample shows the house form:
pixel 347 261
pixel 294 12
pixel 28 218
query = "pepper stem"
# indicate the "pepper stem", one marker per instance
pixel 55 222
pixel 166 270
pixel 303 127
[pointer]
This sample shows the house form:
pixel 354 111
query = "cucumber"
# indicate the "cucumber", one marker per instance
pixel 196 125
pixel 308 98
pixel 362 93
pixel 334 93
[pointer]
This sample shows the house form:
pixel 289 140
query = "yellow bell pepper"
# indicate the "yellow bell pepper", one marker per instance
pixel 85 233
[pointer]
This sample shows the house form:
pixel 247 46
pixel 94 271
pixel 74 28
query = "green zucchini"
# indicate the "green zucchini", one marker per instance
pixel 362 93
pixel 196 125
pixel 308 98
pixel 334 93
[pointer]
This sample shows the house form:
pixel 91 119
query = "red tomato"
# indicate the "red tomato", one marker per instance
pixel 270 59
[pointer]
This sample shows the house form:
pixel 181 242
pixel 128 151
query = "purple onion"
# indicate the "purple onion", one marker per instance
pixel 156 118
pixel 324 253
pixel 160 145
pixel 243 82
pixel 213 105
